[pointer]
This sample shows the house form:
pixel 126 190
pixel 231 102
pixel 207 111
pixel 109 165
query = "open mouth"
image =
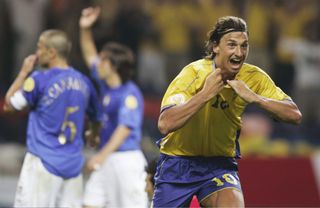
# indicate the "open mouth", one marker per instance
pixel 235 61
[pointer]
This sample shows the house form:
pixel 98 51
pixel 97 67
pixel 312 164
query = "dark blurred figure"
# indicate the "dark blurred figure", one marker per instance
pixel 306 60
pixel 27 18
pixel 8 122
pixel 151 66
pixel 131 23
pixel 290 17
pixel 6 47
pixel 103 29
pixel 259 15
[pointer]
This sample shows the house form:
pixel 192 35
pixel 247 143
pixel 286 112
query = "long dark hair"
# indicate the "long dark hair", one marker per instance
pixel 121 58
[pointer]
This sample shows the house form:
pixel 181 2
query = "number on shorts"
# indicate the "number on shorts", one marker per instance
pixel 227 178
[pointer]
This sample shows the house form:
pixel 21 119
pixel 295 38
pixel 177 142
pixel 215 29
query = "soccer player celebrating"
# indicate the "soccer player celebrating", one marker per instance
pixel 201 118
pixel 59 98
pixel 118 179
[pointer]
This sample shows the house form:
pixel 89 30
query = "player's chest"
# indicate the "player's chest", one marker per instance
pixel 227 100
pixel 111 102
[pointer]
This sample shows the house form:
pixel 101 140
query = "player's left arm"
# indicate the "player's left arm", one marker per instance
pixel 119 135
pixel 285 110
pixel 14 99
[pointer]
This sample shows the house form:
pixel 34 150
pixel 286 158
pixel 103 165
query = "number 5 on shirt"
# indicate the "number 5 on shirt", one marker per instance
pixel 66 123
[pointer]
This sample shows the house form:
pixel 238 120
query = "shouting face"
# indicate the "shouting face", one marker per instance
pixel 231 52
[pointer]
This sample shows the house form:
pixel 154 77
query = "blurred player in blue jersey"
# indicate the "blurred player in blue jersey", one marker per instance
pixel 118 177
pixel 59 98
pixel 201 118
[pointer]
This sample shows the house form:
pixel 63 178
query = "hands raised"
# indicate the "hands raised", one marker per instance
pixel 89 16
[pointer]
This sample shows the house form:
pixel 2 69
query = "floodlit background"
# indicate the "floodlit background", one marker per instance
pixel 166 35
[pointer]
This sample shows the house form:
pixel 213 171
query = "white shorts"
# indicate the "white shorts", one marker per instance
pixel 39 188
pixel 120 182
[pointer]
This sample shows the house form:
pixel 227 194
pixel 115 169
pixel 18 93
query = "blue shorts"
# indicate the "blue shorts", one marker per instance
pixel 178 179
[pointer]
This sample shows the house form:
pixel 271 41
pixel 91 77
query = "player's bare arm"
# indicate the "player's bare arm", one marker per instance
pixel 176 116
pixel 120 134
pixel 88 17
pixel 26 69
pixel 284 110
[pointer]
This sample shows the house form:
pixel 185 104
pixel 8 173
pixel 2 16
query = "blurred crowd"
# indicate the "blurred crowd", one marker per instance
pixel 165 35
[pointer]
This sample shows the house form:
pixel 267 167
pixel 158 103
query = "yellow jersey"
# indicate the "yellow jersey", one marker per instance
pixel 214 130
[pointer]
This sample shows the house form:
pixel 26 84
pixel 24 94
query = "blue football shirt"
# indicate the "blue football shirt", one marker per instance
pixel 59 100
pixel 121 106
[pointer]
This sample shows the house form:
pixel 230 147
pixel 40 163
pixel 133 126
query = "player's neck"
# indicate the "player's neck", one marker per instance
pixel 113 80
pixel 59 63
pixel 227 76
pixel 225 73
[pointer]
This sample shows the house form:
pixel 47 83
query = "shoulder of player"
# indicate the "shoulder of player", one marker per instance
pixel 131 97
pixel 196 67
pixel 70 72
pixel 131 88
pixel 37 73
pixel 249 70
pixel 51 76
pixel 199 65
pixel 38 76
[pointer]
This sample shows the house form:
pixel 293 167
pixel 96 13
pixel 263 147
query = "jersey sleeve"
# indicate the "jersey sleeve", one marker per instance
pixel 267 88
pixel 32 88
pixel 181 89
pixel 130 113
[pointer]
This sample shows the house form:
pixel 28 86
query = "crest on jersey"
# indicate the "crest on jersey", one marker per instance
pixel 177 99
pixel 131 102
pixel 28 84
pixel 106 100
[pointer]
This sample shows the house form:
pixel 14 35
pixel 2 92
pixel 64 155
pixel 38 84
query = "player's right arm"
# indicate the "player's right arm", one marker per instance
pixel 14 99
pixel 88 17
pixel 176 116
